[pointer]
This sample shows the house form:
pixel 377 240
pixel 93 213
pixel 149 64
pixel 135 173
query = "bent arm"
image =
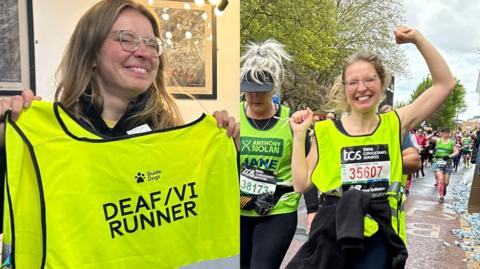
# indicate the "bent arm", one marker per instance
pixel 429 101
pixel 302 166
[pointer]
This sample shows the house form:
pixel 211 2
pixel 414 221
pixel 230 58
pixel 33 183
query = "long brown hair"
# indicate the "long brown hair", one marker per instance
pixel 77 71
pixel 337 97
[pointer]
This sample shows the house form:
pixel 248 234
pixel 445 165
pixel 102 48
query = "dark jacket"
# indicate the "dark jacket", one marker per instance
pixel 337 233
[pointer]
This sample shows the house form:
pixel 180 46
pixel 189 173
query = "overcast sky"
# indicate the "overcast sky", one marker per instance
pixel 453 27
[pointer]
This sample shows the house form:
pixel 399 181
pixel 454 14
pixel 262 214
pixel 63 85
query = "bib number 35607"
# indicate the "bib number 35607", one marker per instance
pixel 366 166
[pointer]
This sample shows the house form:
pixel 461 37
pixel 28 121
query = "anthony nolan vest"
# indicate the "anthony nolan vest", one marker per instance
pixel 161 199
pixel 270 150
pixel 371 163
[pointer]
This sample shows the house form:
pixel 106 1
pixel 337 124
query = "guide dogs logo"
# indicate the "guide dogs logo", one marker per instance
pixel 140 177
pixel 152 175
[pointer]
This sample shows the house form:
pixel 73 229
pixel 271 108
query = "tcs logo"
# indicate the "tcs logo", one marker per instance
pixel 352 155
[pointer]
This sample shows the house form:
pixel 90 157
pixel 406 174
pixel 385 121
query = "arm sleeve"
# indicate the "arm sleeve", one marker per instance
pixel 311 200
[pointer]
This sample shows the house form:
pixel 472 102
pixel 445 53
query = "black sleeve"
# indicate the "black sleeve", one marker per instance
pixel 311 200
pixel 311 197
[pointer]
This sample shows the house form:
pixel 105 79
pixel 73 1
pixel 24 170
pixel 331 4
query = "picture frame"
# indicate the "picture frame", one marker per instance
pixel 189 34
pixel 17 58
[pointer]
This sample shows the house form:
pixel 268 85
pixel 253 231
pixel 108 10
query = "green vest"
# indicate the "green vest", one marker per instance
pixel 270 150
pixel 372 163
pixel 466 141
pixel 444 149
pixel 162 199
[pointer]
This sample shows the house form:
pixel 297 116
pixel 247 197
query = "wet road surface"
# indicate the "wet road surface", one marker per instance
pixel 429 226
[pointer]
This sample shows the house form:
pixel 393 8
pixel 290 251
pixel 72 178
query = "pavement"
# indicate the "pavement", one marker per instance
pixel 431 243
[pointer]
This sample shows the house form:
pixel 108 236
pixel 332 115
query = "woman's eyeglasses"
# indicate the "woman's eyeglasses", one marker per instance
pixel 130 41
pixel 354 83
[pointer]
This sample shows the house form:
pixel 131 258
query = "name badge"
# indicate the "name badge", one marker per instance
pixel 365 168
pixel 254 181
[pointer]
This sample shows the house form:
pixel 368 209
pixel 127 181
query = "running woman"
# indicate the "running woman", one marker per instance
pixel 356 163
pixel 445 151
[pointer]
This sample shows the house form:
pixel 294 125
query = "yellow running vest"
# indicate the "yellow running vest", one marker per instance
pixel 162 199
pixel 372 163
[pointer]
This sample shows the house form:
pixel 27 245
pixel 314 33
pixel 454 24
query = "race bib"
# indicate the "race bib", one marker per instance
pixel 254 181
pixel 366 168
pixel 441 163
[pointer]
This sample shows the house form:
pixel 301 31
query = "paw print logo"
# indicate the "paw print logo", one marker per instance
pixel 140 177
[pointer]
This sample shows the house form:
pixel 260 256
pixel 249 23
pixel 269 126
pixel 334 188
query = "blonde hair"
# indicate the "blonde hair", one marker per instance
pixel 263 59
pixel 77 73
pixel 337 97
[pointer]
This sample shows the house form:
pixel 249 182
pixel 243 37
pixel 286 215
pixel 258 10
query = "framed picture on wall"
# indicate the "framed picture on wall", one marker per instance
pixel 16 47
pixel 189 35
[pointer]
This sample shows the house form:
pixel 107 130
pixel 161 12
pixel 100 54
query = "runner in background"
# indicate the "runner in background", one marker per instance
pixel 445 151
pixel 422 144
pixel 456 159
pixel 466 149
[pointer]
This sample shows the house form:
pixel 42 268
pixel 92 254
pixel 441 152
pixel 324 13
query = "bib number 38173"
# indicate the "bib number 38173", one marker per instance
pixel 254 181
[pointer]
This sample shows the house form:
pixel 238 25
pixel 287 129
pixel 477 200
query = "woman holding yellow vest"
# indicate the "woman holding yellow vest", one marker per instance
pixel 112 83
pixel 356 163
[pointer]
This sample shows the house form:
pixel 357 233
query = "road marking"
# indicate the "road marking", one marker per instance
pixel 424 229
pixel 428 213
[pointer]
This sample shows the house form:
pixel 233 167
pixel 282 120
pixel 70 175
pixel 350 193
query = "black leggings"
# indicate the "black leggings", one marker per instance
pixel 265 240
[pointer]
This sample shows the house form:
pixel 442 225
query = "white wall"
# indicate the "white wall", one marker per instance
pixel 55 20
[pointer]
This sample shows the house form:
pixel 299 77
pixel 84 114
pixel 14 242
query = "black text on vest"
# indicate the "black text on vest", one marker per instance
pixel 151 210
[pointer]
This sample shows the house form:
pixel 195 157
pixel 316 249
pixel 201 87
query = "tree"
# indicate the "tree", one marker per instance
pixel 301 91
pixel 306 28
pixel 445 115
pixel 319 34
pixel 369 25
pixel 399 104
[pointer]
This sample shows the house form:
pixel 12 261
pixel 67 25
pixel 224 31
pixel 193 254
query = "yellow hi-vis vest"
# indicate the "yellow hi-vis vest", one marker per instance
pixel 402 229
pixel 162 199
pixel 372 163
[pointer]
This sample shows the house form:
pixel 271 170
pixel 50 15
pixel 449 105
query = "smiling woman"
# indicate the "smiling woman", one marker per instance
pixel 113 161
pixel 356 163
pixel 116 74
